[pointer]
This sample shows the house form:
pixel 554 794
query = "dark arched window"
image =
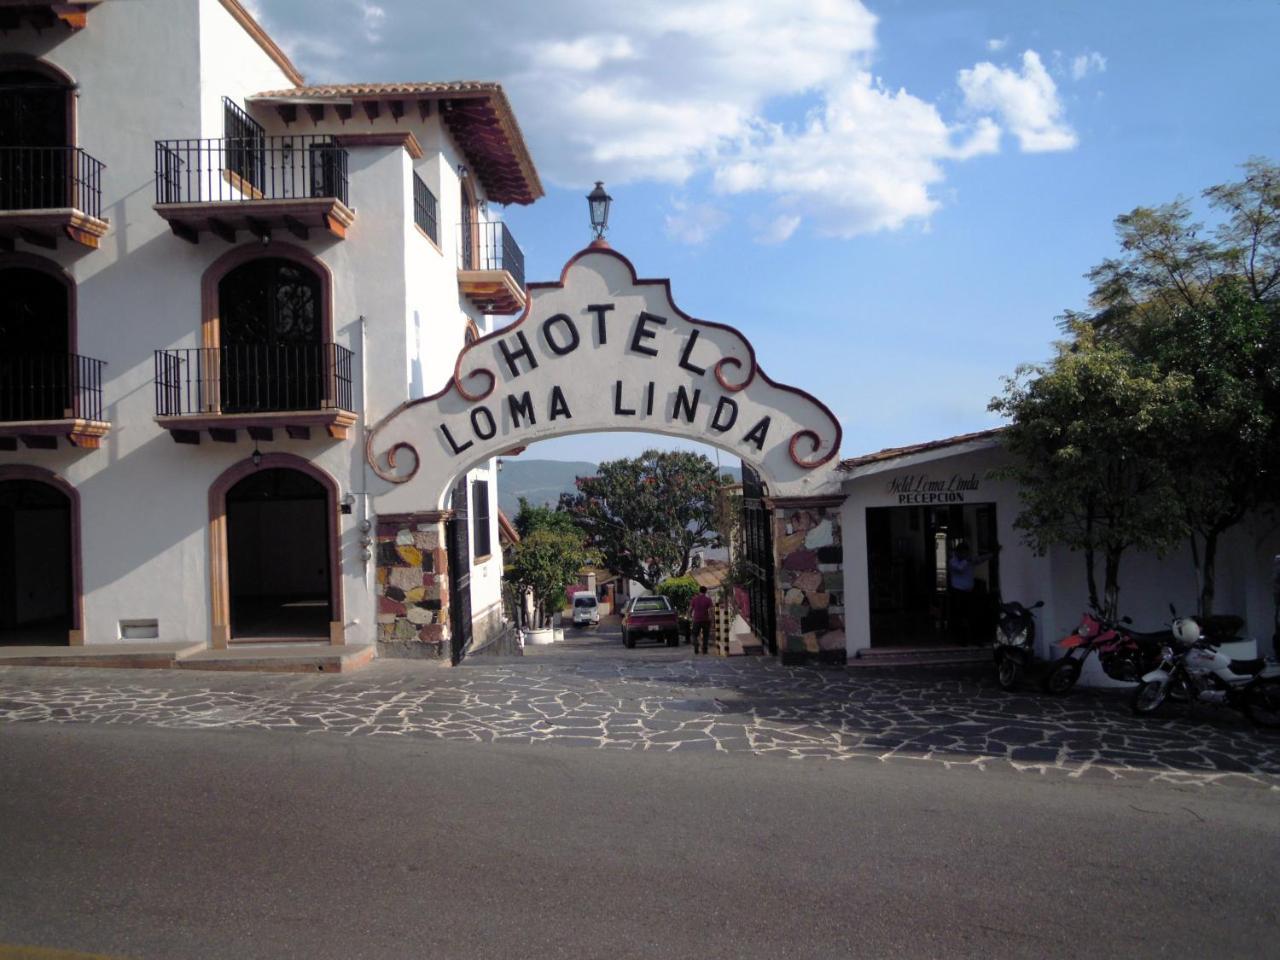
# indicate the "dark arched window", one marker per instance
pixel 34 135
pixel 34 345
pixel 271 335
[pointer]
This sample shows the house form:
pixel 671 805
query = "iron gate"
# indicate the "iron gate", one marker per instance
pixel 459 533
pixel 757 544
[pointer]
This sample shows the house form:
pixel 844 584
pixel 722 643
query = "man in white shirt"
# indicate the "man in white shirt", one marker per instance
pixel 960 579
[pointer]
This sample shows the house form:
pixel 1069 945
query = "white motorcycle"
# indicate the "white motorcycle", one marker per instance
pixel 1195 671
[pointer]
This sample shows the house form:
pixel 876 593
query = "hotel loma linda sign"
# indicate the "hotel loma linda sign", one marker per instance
pixel 602 350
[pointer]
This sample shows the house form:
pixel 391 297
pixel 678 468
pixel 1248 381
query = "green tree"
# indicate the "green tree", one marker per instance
pixel 1226 452
pixel 544 563
pixel 646 515
pixel 530 518
pixel 1090 435
pixel 1206 304
pixel 679 590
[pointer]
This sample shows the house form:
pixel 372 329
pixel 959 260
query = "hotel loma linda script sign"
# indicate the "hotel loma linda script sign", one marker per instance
pixel 601 350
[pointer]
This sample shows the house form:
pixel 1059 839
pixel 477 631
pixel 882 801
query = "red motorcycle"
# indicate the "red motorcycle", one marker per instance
pixel 1124 653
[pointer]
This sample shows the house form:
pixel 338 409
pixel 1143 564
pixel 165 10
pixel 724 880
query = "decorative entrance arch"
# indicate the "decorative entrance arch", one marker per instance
pixel 602 350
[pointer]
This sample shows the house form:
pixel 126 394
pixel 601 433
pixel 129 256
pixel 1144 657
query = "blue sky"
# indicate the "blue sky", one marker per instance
pixel 893 200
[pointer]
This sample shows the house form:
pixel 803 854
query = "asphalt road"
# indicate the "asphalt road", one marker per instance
pixel 143 842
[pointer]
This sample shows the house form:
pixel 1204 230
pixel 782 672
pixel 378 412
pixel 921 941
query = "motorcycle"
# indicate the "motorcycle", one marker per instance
pixel 1015 646
pixel 1192 668
pixel 1123 653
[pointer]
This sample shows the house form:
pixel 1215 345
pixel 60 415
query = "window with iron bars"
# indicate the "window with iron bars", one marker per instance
pixel 425 209
pixel 480 517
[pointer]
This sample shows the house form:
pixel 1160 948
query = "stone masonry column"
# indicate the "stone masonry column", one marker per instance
pixel 808 556
pixel 413 585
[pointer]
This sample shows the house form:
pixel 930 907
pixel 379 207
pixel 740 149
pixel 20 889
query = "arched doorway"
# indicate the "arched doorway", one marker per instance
pixel 35 344
pixel 271 337
pixel 37 575
pixel 35 130
pixel 279 561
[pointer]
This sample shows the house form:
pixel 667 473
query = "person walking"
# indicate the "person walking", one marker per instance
pixel 700 619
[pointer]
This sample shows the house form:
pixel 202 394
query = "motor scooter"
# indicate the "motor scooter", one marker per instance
pixel 1015 646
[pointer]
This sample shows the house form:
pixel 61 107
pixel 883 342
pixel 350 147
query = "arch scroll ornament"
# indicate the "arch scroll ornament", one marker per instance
pixel 601 350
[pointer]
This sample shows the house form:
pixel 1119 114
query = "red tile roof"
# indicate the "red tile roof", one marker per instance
pixel 893 453
pixel 477 114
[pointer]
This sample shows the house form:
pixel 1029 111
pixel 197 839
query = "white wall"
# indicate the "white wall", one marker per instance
pixel 1148 583
pixel 157 69
pixel 232 64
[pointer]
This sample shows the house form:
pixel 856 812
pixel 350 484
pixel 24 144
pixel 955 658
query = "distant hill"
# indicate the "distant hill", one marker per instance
pixel 542 481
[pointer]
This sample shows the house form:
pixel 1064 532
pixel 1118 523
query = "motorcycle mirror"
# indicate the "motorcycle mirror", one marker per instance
pixel 1126 619
pixel 1173 612
pixel 1037 605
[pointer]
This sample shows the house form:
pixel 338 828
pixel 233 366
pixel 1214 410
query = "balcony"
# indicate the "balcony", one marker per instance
pixel 255 184
pixel 43 14
pixel 256 387
pixel 47 193
pixel 490 267
pixel 46 396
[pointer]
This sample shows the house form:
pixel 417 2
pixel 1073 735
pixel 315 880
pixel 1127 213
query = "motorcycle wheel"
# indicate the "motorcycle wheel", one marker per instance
pixel 1008 673
pixel 1062 677
pixel 1148 697
pixel 1262 705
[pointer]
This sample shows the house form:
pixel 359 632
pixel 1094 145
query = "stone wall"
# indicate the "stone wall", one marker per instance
pixel 413 586
pixel 809 556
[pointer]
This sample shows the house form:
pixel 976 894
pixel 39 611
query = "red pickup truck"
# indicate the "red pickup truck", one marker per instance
pixel 650 618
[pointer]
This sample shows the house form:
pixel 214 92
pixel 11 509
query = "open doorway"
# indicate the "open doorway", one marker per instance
pixel 278 557
pixel 907 553
pixel 35 563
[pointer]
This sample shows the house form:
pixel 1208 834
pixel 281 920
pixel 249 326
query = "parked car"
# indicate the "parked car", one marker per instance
pixel 586 609
pixel 650 618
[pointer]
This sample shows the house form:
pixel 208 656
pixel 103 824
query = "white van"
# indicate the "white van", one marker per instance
pixel 586 611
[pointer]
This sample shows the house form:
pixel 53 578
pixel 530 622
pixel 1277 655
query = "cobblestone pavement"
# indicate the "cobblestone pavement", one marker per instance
pixel 590 692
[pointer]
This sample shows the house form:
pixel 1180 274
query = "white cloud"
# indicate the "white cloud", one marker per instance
pixel 1086 63
pixel 584 54
pixel 692 92
pixel 694 223
pixel 864 162
pixel 1027 101
pixel 374 18
pixel 779 229
pixel 996 44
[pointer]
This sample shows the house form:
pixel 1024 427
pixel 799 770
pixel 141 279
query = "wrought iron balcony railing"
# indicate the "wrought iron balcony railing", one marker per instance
pixel 490 246
pixel 50 178
pixel 250 168
pixel 253 378
pixel 35 387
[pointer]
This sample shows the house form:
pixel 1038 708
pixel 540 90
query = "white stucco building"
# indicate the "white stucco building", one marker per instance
pixel 213 279
pixel 904 510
